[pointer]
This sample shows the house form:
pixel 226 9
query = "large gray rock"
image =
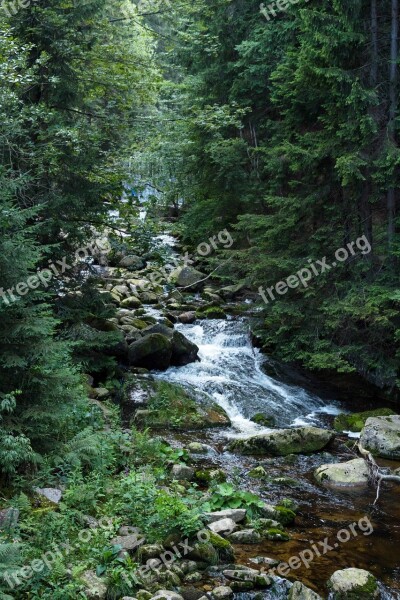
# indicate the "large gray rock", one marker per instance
pixel 236 514
pixel 151 352
pixel 245 536
pixel 95 587
pixel 381 436
pixel 187 277
pixel 300 592
pixel 281 442
pixel 182 472
pixel 132 262
pixel 128 542
pixel 348 474
pixel 183 350
pixel 223 526
pixel 353 584
pixel 9 518
pixel 53 495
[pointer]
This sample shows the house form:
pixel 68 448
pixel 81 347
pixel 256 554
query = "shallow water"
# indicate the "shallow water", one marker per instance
pixel 234 374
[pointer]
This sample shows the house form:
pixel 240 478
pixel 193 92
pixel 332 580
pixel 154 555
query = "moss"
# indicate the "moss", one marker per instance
pixel 265 420
pixel 356 421
pixel 212 312
pixel 257 473
pixel 284 515
pixel 277 534
pixel 218 541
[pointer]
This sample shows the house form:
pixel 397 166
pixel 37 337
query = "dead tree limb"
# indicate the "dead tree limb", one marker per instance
pixel 375 474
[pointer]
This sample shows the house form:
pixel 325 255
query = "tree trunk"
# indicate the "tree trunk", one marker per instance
pixel 393 106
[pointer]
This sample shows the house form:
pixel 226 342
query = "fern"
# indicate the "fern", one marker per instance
pixel 10 558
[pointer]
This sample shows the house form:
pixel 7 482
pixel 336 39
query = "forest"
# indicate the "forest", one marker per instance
pixel 199 299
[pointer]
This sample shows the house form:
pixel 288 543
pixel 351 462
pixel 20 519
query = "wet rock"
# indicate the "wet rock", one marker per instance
pixel 277 535
pixel 264 420
pixel 222 592
pixel 149 298
pixel 143 595
pixel 53 495
pixel 203 552
pixel 351 584
pixel 197 448
pixel 236 514
pixel 158 328
pixel 284 515
pixel 187 318
pixel 281 442
pixel 301 592
pixel 256 578
pixel 96 588
pixel 184 351
pixel 208 475
pixel 182 472
pixel 381 436
pixel 224 526
pixel 152 352
pixel 245 536
pixel 348 474
pixel 265 560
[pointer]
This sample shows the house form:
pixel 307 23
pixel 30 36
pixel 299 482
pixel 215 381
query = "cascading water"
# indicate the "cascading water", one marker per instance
pixel 231 372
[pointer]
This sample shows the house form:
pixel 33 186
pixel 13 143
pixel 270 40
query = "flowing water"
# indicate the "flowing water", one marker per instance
pixel 231 372
pixel 234 374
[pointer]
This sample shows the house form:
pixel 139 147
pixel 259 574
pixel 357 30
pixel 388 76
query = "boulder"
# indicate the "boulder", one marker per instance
pixel 353 584
pixel 381 436
pixel 148 551
pixel 183 350
pixel 222 592
pixel 53 495
pixel 300 592
pixel 158 328
pixel 197 448
pixel 187 318
pixel 151 352
pixel 187 277
pixel 132 262
pixel 96 588
pixel 281 442
pixel 236 514
pixel 131 302
pixel 245 536
pixel 182 472
pixel 264 420
pixel 347 474
pixel 128 542
pixel 223 526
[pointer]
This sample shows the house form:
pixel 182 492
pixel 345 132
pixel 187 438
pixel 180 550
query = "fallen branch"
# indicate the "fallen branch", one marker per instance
pixel 375 474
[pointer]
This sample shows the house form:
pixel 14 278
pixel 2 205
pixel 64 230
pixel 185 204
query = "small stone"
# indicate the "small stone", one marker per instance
pixel 300 592
pixel 222 592
pixel 193 577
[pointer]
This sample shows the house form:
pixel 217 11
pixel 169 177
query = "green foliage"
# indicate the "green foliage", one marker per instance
pixel 225 495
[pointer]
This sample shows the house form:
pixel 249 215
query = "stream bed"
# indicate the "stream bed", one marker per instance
pixel 234 374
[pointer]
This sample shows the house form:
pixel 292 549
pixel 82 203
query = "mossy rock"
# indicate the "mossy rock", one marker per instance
pixel 277 535
pixel 222 546
pixel 208 475
pixel 353 584
pixel 284 515
pixel 212 312
pixel 258 473
pixel 264 420
pixel 356 421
